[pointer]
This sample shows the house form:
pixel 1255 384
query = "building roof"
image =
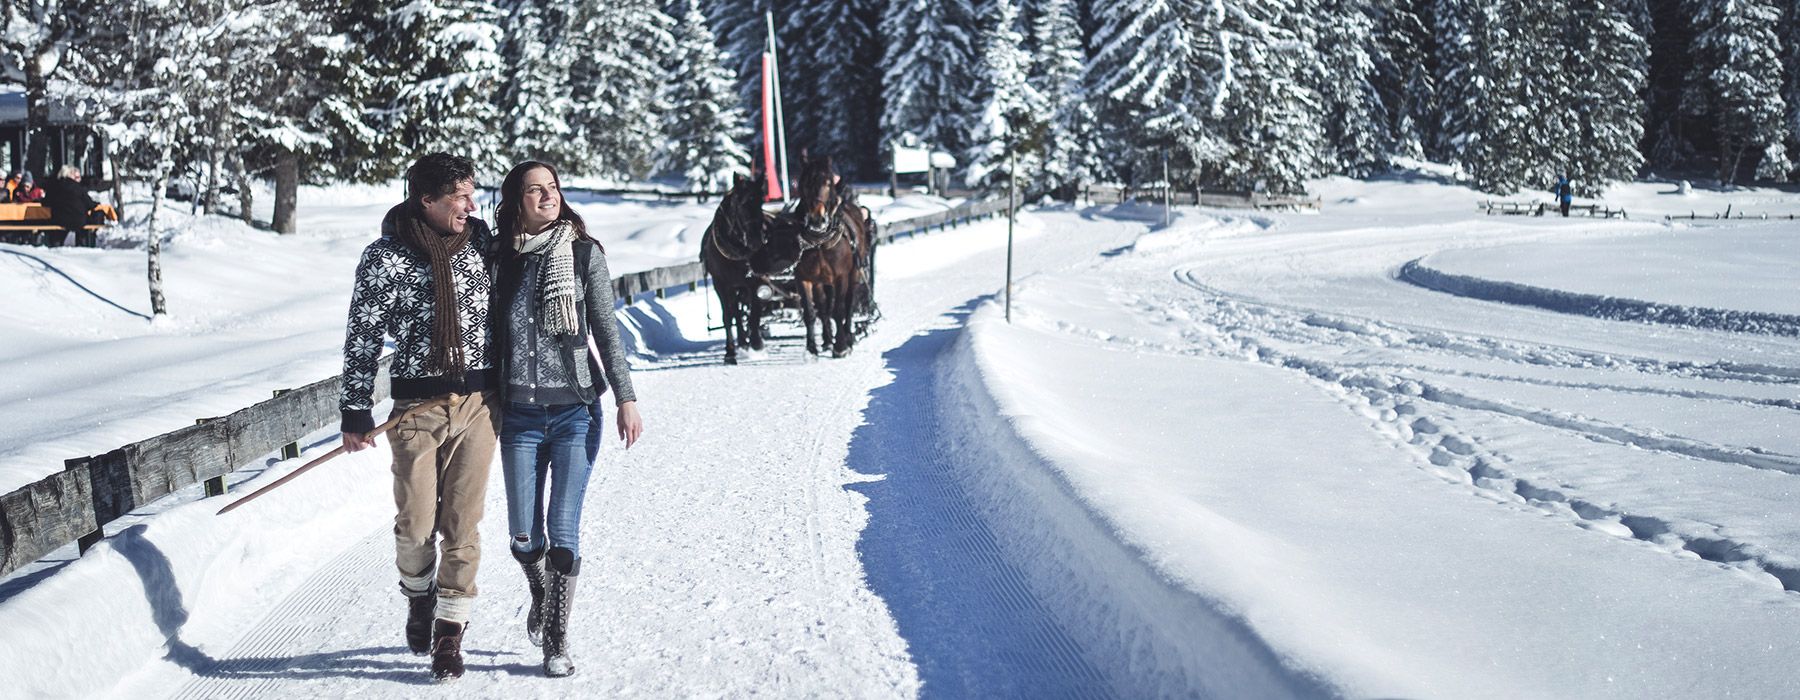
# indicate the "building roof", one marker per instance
pixel 12 110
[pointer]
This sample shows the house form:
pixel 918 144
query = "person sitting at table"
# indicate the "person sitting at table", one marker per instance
pixel 21 190
pixel 70 205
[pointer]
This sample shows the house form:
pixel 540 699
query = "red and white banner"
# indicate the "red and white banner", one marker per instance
pixel 768 123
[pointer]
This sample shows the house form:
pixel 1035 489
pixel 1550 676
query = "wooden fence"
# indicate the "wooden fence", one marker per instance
pixel 1728 215
pixel 1600 211
pixel 1220 199
pixel 75 504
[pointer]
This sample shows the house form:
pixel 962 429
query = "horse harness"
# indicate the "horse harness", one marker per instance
pixel 834 229
pixel 733 229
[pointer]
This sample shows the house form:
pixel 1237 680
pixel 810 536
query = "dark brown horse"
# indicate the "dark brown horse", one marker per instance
pixel 832 270
pixel 737 236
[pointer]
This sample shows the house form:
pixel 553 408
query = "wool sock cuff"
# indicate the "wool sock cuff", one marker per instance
pixel 455 608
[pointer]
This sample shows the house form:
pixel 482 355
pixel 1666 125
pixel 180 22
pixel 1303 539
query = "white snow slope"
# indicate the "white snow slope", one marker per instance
pixel 1234 457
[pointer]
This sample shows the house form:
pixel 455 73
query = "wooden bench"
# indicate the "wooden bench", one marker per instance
pixel 29 224
pixel 43 234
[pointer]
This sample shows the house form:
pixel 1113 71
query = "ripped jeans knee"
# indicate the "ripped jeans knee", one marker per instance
pixel 522 543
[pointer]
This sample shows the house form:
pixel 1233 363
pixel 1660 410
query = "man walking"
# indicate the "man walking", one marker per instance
pixel 425 282
pixel 1565 194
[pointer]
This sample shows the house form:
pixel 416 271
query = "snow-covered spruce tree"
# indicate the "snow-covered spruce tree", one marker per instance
pixel 1012 115
pixel 296 98
pixel 1153 71
pixel 1604 67
pixel 703 127
pixel 1735 81
pixel 535 102
pixel 1071 141
pixel 929 77
pixel 616 77
pixel 445 61
pixel 1403 74
pixel 831 82
pixel 1272 117
pixel 1671 136
pixel 742 33
pixel 1500 96
pixel 354 64
pixel 1791 65
pixel 1356 119
pixel 1465 87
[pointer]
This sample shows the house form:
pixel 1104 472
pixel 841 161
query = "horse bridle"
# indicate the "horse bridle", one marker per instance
pixel 833 226
pixel 734 230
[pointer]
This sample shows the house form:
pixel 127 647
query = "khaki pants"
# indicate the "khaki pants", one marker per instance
pixel 441 460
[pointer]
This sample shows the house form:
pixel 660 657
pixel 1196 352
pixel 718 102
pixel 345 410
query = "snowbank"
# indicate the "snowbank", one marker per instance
pixel 1747 267
pixel 1598 306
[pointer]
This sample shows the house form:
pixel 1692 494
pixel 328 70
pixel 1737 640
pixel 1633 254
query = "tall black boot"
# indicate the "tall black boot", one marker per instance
pixel 533 564
pixel 558 599
pixel 419 609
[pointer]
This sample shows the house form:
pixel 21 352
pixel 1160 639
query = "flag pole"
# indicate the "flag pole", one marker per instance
pixel 780 127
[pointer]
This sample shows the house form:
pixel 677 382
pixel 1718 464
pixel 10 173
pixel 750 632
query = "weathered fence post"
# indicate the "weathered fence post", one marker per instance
pixel 288 451
pixel 216 485
pixel 92 538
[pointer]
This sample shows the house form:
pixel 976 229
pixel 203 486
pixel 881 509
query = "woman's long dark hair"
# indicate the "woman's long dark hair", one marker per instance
pixel 506 215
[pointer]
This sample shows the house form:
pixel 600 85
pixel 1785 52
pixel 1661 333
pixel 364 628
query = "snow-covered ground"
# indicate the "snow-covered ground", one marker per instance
pixel 1236 456
pixel 1407 493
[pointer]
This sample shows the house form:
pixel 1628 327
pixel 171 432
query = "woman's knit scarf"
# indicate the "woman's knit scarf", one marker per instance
pixel 556 281
pixel 440 249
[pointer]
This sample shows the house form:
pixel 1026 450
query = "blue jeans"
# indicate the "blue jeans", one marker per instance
pixel 547 449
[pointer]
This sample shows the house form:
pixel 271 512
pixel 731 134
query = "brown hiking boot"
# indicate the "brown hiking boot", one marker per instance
pixel 446 650
pixel 418 621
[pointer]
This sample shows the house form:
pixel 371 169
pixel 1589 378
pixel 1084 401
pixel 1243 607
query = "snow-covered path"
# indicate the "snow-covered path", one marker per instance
pixel 726 554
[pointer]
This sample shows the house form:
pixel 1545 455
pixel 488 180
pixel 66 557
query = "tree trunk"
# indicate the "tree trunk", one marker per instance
pixel 118 188
pixel 1728 161
pixel 158 306
pixel 37 118
pixel 214 163
pixel 246 198
pixel 287 191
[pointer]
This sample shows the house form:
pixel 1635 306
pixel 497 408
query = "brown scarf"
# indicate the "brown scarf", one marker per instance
pixel 409 227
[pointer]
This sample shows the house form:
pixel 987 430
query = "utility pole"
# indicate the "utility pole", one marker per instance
pixel 1012 188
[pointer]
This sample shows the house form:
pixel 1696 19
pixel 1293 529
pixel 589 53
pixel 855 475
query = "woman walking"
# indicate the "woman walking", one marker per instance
pixel 551 292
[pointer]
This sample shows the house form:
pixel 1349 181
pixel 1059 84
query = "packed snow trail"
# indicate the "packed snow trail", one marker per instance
pixel 777 530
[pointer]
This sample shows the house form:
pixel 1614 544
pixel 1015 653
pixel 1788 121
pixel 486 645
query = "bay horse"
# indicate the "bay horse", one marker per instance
pixel 737 236
pixel 836 239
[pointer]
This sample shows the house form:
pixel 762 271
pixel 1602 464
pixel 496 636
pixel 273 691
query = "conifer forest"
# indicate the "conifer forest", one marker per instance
pixel 1235 94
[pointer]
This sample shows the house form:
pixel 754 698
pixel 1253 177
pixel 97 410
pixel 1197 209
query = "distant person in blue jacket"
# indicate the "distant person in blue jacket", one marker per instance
pixel 1565 194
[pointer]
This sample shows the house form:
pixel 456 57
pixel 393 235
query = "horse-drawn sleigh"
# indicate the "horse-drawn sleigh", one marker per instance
pixel 815 259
